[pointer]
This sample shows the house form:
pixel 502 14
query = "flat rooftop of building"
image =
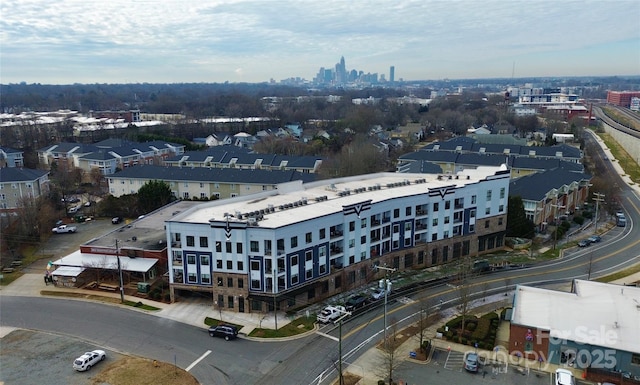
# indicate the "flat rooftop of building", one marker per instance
pixel 146 232
pixel 77 260
pixel 296 202
pixel 600 314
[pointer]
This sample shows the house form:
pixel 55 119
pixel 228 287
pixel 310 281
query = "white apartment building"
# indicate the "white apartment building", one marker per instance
pixel 302 243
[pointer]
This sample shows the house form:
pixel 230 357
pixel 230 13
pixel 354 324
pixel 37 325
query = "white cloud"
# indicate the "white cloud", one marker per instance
pixel 174 40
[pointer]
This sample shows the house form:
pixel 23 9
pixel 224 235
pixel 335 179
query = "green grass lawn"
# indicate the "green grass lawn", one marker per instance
pixel 295 327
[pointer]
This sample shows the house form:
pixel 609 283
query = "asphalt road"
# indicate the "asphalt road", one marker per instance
pixel 302 361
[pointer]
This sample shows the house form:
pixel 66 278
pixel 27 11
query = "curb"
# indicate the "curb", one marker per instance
pixel 280 339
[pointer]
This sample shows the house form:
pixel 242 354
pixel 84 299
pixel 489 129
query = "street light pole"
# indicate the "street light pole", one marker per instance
pixel 386 285
pixel 275 299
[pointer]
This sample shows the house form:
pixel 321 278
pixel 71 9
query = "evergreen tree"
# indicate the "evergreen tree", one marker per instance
pixel 517 223
pixel 153 195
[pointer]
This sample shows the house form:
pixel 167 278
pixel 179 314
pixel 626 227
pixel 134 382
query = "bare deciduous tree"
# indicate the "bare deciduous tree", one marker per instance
pixel 464 291
pixel 390 358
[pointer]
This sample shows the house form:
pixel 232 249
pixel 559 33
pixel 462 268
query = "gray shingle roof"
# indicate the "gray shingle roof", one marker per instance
pixel 14 174
pixel 200 174
pixel 535 187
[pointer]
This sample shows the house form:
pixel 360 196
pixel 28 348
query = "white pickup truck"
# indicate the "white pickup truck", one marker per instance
pixel 331 313
pixel 64 229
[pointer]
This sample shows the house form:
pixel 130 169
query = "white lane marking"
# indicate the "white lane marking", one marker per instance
pixel 198 360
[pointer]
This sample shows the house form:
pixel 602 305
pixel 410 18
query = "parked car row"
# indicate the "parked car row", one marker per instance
pixel 590 240
pixel 355 302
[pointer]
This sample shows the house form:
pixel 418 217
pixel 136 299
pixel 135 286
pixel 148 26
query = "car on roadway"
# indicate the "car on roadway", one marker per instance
pixel 564 377
pixel 584 243
pixel 378 293
pixel 594 239
pixel 355 302
pixel 227 332
pixel 471 362
pixel 331 314
pixel 116 220
pixel 88 359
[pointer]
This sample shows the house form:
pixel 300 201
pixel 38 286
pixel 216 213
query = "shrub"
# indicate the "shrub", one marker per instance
pixel 482 330
pixel 491 316
pixel 578 219
pixel 471 326
pixel 382 382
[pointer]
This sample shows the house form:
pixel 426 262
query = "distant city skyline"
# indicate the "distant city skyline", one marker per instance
pixel 215 41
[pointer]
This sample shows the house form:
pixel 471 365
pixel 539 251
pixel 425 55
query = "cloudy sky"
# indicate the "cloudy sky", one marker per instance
pixel 168 41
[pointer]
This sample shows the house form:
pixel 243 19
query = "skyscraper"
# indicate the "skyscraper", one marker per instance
pixel 392 73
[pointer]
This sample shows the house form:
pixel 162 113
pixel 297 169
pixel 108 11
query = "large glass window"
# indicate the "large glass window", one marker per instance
pixel 204 242
pixel 191 240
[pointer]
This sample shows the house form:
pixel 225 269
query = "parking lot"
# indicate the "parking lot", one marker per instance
pixel 446 368
pixel 36 358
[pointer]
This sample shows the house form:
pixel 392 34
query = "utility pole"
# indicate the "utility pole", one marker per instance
pixel 555 233
pixel 386 285
pixel 598 197
pixel 120 273
pixel 342 317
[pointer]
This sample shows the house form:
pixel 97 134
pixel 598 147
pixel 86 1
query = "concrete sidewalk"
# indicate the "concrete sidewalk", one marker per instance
pixel 189 311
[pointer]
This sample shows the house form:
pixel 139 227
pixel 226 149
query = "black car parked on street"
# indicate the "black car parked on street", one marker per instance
pixel 225 331
pixel 355 302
